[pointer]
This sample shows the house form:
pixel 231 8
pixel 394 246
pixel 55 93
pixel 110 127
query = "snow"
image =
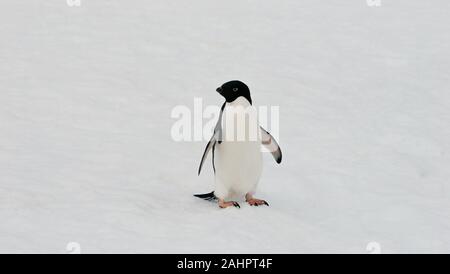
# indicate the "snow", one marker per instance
pixel 86 154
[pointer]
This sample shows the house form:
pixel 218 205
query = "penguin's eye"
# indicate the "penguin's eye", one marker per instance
pixel 235 89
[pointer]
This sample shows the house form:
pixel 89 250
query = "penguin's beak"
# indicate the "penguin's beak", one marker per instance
pixel 219 90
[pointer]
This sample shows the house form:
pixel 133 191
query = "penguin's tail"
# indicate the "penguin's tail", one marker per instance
pixel 207 196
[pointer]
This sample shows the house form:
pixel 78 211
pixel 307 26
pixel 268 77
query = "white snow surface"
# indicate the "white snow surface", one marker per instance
pixel 86 154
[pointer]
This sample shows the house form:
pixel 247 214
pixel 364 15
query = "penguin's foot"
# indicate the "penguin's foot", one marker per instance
pixel 223 204
pixel 255 202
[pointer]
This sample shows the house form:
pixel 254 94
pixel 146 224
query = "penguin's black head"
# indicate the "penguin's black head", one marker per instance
pixel 234 89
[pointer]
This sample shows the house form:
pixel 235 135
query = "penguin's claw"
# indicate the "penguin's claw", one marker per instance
pixel 223 204
pixel 257 202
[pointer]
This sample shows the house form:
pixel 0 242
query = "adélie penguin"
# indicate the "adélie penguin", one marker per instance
pixel 236 148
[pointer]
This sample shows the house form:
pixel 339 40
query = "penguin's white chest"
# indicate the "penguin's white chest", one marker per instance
pixel 238 159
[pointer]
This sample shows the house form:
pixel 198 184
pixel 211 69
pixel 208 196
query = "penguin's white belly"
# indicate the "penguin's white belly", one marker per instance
pixel 238 162
pixel 238 168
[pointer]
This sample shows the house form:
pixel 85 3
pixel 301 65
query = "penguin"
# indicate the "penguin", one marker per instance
pixel 237 160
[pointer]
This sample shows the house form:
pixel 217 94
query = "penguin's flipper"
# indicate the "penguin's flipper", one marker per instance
pixel 271 144
pixel 216 138
pixel 208 148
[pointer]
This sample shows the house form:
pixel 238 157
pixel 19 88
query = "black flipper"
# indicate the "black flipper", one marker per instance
pixel 215 139
pixel 271 144
pixel 211 145
pixel 207 196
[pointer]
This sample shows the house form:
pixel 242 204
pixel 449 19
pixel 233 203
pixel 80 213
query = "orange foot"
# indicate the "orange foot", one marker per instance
pixel 255 202
pixel 223 204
